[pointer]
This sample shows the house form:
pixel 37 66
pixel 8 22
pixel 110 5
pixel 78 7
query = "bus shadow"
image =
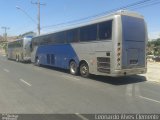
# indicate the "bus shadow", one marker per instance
pixel 55 68
pixel 119 80
pixel 25 62
pixel 22 62
pixel 106 79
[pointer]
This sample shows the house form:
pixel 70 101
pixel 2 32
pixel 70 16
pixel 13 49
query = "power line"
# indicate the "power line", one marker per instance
pixel 142 2
pixel 147 5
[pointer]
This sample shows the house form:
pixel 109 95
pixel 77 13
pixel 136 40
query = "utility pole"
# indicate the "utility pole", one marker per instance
pixel 39 18
pixel 5 32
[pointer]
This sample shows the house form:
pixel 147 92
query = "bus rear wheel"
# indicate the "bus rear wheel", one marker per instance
pixel 84 70
pixel 17 58
pixel 73 68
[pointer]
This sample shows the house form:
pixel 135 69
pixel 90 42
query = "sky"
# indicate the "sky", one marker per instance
pixel 61 11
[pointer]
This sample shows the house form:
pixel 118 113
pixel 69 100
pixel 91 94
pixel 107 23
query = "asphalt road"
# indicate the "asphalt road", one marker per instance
pixel 25 88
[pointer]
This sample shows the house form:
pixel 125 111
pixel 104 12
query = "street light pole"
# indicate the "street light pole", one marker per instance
pixel 38 17
pixel 19 8
pixel 39 32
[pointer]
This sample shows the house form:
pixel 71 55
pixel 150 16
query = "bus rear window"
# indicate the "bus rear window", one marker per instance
pixel 105 30
pixel 133 29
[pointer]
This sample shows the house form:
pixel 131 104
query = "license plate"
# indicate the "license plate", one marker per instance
pixel 133 61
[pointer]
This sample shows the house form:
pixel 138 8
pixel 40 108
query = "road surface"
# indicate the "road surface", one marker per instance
pixel 25 88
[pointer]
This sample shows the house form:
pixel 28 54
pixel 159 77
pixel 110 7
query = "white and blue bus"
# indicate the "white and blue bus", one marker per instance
pixel 20 50
pixel 113 45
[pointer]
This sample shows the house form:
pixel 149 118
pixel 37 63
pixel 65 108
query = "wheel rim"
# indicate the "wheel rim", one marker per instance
pixel 73 68
pixel 84 70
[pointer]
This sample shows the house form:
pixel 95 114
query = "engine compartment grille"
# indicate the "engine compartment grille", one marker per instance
pixel 103 64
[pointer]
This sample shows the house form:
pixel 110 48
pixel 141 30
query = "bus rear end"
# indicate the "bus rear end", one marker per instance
pixel 131 50
pixel 27 48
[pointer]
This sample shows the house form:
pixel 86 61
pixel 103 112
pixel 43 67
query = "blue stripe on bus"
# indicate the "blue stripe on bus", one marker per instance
pixel 57 55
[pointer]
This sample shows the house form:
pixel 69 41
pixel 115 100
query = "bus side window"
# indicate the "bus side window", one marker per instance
pixel 105 30
pixel 72 36
pixel 88 33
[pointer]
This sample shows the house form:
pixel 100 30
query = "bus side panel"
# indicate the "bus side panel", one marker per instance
pixel 13 52
pixel 91 51
pixel 57 55
pixel 33 54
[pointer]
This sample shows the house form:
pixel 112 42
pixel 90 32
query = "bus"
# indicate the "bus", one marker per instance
pixel 20 50
pixel 112 45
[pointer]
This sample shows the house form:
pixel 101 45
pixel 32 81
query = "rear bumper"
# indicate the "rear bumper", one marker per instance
pixel 127 72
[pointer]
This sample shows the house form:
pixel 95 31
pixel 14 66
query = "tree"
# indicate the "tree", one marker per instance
pixel 157 51
pixel 3 45
pixel 154 47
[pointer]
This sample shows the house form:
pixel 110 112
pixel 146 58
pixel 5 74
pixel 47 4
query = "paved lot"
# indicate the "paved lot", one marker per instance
pixel 153 72
pixel 25 88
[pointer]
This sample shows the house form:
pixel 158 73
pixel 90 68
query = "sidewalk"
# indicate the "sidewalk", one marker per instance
pixel 2 52
pixel 153 72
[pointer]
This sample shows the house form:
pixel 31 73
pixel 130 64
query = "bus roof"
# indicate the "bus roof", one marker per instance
pixel 96 20
pixel 15 41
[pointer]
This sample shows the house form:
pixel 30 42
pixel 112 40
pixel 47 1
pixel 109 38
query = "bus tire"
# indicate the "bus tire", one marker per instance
pixel 84 70
pixel 37 61
pixel 73 68
pixel 17 58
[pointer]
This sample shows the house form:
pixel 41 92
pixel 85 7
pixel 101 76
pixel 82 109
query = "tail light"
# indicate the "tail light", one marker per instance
pixel 118 55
